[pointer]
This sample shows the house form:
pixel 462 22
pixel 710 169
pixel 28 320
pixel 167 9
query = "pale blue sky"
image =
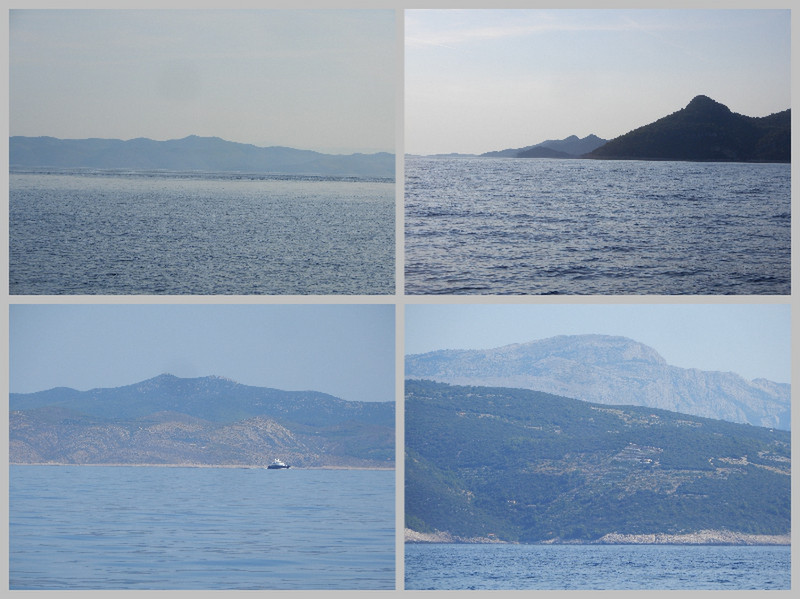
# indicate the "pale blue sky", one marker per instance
pixel 345 350
pixel 482 80
pixel 752 340
pixel 310 79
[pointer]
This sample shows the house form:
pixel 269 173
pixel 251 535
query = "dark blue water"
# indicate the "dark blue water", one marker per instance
pixel 521 226
pixel 86 527
pixel 596 567
pixel 171 233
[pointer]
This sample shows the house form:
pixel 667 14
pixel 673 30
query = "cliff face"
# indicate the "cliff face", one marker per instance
pixel 705 130
pixel 610 370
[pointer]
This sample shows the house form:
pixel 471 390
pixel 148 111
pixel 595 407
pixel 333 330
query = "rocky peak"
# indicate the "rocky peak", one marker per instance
pixel 706 107
pixel 610 370
pixel 594 349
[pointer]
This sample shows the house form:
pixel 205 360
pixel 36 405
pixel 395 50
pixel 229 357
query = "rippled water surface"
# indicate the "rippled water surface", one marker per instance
pixel 521 226
pixel 173 233
pixel 564 567
pixel 86 527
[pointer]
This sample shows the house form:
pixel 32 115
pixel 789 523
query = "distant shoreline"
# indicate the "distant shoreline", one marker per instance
pixel 244 466
pixel 703 537
pixel 594 158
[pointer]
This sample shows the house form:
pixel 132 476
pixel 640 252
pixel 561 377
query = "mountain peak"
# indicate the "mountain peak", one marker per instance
pixel 701 100
pixel 569 147
pixel 706 105
pixel 610 370
pixel 164 377
pixel 603 348
pixel 168 379
pixel 705 130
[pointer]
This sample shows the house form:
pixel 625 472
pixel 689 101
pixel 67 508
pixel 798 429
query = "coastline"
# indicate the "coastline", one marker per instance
pixel 245 466
pixel 702 537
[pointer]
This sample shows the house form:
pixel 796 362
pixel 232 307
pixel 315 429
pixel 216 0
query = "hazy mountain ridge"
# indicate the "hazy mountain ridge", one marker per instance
pixel 569 147
pixel 208 420
pixel 705 130
pixel 192 153
pixel 521 465
pixel 610 370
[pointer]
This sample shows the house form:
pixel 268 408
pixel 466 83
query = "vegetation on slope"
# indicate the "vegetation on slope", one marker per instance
pixel 705 130
pixel 528 466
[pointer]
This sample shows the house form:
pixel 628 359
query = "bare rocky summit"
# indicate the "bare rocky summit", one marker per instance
pixel 610 370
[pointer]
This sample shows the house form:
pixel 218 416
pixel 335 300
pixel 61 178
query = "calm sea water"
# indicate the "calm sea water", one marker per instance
pixel 521 226
pixel 74 527
pixel 596 567
pixel 112 232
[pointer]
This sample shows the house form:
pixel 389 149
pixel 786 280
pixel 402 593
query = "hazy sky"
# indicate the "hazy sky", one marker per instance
pixel 313 79
pixel 345 350
pixel 482 80
pixel 752 340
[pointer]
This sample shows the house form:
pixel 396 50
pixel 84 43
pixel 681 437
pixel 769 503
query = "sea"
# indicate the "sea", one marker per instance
pixel 119 232
pixel 597 567
pixel 510 226
pixel 117 527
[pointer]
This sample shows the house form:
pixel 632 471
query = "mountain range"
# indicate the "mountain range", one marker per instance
pixel 705 130
pixel 192 153
pixel 610 370
pixel 525 466
pixel 207 420
pixel 569 147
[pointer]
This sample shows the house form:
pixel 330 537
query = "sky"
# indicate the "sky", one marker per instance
pixel 483 80
pixel 309 79
pixel 345 350
pixel 752 340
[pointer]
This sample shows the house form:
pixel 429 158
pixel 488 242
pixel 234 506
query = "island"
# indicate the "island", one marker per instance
pixel 192 153
pixel 705 130
pixel 205 421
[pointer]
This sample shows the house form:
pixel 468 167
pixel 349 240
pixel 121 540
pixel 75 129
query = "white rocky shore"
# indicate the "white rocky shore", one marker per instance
pixel 703 537
pixel 412 536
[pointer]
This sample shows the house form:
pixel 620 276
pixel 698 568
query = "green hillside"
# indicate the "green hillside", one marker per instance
pixel 532 467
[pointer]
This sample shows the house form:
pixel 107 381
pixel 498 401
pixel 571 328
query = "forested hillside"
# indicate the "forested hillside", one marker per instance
pixel 527 466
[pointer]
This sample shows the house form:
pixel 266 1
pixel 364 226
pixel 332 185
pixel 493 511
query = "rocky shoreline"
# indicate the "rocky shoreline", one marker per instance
pixel 412 536
pixel 703 537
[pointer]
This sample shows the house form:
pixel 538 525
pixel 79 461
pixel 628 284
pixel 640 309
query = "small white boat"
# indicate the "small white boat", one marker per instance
pixel 278 465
